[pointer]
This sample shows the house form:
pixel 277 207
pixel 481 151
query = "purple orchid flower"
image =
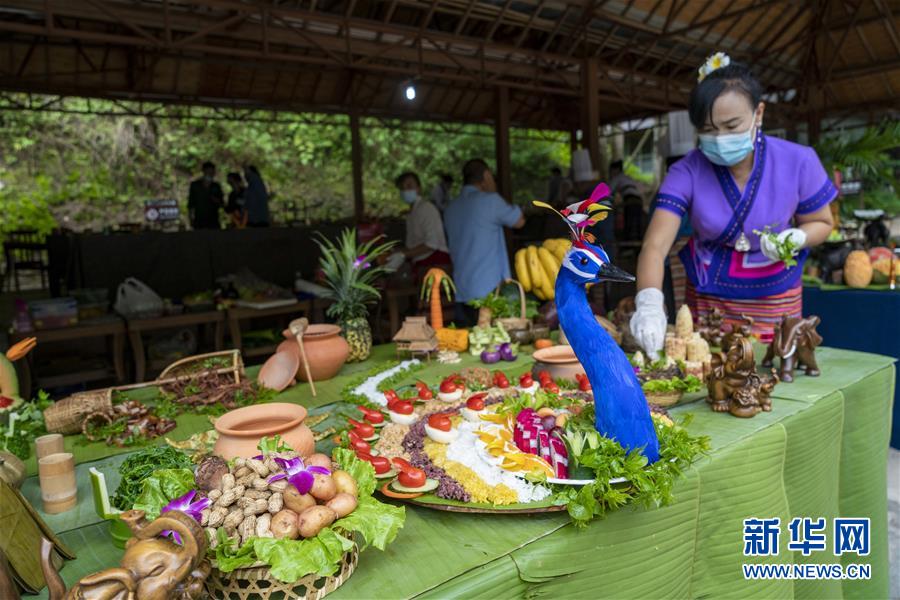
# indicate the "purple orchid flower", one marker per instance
pixel 298 474
pixel 361 262
pixel 186 505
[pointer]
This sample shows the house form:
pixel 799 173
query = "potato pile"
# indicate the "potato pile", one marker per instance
pixel 246 505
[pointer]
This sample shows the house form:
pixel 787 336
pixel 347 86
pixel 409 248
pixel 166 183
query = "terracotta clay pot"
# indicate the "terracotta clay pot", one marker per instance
pixel 279 371
pixel 560 361
pixel 240 430
pixel 326 350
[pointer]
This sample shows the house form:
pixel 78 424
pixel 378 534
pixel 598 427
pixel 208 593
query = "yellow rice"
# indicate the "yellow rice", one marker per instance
pixel 477 488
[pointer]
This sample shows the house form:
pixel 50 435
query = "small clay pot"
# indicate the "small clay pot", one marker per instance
pixel 521 336
pixel 279 371
pixel 241 429
pixel 560 361
pixel 326 350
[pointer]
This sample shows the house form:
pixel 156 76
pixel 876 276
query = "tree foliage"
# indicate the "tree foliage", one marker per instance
pixel 92 171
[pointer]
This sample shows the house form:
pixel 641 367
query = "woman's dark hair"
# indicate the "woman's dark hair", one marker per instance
pixel 736 77
pixel 402 177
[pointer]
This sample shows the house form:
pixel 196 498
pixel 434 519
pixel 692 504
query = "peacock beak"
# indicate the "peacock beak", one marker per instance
pixel 610 272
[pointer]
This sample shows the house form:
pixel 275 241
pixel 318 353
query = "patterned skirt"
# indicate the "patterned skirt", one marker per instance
pixel 766 311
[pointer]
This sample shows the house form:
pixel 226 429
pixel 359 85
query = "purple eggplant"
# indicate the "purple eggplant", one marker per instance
pixel 489 357
pixel 506 352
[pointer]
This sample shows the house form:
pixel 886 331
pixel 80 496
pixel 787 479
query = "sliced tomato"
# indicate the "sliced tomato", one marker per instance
pixel 375 418
pixel 401 463
pixel 475 402
pixel 526 380
pixel 425 392
pixel 379 463
pixel 544 375
pixel 412 478
pixel 387 491
pixel 5 401
pixel 441 422
pixel 402 407
pixel 550 386
pixel 584 384
pixel 364 430
pixel 360 445
pixel 448 386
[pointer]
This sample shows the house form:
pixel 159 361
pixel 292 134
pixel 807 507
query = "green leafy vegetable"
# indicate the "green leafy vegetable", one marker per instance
pixel 27 425
pixel 161 488
pixel 645 484
pixel 786 248
pixel 140 465
pixel 268 445
pixel 675 384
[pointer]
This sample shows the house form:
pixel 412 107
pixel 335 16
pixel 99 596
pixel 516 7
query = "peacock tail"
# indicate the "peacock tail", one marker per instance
pixel 621 409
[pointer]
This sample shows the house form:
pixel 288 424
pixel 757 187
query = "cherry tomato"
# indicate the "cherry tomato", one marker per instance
pixel 448 386
pixel 372 416
pixel 5 401
pixel 390 395
pixel 363 429
pixel 584 384
pixel 402 407
pixel 425 392
pixel 401 463
pixel 551 386
pixel 526 380
pixel 359 445
pixel 500 380
pixel 475 402
pixel 381 464
pixel 412 478
pixel 441 422
pixel 544 375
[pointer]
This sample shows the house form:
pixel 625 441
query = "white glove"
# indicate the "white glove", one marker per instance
pixel 769 249
pixel 648 324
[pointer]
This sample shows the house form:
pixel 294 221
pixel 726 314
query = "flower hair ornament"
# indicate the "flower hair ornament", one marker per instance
pixel 713 63
pixel 581 215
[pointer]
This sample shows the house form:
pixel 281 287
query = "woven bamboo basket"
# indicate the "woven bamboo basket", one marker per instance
pixel 257 583
pixel 520 322
pixel 663 398
pixel 67 415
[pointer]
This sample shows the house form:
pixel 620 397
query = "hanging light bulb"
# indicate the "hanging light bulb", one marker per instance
pixel 410 91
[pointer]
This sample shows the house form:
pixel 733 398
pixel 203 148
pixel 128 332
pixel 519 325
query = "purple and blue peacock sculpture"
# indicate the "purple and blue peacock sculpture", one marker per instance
pixel 621 409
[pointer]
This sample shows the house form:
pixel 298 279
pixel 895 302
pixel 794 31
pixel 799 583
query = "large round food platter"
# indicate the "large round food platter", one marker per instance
pixel 502 449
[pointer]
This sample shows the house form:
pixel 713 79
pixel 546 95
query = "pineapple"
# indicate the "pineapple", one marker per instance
pixel 349 276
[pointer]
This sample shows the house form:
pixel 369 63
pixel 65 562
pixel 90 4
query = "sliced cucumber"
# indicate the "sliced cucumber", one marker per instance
pixel 430 484
pixel 388 475
pixel 371 439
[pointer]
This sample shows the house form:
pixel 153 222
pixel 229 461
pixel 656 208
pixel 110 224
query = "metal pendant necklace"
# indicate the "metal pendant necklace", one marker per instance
pixel 742 244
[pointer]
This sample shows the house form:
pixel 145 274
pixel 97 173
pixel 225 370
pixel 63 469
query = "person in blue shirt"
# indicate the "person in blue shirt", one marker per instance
pixel 474 222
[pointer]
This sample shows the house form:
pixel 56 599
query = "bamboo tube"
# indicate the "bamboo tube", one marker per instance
pixel 52 443
pixel 59 491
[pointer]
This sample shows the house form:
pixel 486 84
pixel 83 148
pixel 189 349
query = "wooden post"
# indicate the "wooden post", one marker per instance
pixel 501 145
pixel 357 160
pixel 590 110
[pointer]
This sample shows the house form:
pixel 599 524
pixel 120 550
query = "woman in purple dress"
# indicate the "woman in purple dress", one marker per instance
pixel 737 182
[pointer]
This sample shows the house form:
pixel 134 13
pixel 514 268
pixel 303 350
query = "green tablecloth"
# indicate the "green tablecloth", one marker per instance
pixel 821 452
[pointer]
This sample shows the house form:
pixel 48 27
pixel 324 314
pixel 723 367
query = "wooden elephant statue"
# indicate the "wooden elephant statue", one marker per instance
pixel 152 568
pixel 794 342
pixel 734 385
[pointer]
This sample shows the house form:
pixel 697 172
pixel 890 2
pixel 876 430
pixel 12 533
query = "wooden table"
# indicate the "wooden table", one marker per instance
pixel 138 327
pixel 111 326
pixel 237 314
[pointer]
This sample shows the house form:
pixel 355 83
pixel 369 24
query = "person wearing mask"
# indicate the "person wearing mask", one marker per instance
pixel 440 194
pixel 236 208
pixel 627 189
pixel 205 198
pixel 738 182
pixel 256 198
pixel 475 224
pixel 426 244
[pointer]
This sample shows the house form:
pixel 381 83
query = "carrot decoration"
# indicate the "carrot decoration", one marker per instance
pixel 435 279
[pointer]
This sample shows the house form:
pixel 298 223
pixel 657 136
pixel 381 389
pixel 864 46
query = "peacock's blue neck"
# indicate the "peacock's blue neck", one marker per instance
pixel 621 409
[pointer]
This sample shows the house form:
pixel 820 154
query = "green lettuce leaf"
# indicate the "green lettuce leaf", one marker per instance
pixel 377 522
pixel 162 487
pixel 229 555
pixel 289 560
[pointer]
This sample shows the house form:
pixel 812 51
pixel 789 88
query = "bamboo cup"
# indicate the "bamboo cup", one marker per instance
pixel 52 443
pixel 59 491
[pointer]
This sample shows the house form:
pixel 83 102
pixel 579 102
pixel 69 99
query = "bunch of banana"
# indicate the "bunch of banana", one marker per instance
pixel 538 266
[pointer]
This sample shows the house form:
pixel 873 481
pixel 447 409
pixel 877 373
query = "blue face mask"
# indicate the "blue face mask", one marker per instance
pixel 409 196
pixel 728 149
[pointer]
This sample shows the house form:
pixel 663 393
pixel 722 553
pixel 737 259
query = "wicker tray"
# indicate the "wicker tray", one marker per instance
pixel 520 322
pixel 257 582
pixel 664 399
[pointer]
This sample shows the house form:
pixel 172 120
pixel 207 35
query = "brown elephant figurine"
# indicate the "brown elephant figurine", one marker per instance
pixel 622 318
pixel 794 342
pixel 734 385
pixel 709 326
pixel 152 568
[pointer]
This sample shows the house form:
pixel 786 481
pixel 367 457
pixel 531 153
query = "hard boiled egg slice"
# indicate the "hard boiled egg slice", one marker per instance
pixel 473 416
pixel 529 390
pixel 402 419
pixel 453 396
pixel 441 436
